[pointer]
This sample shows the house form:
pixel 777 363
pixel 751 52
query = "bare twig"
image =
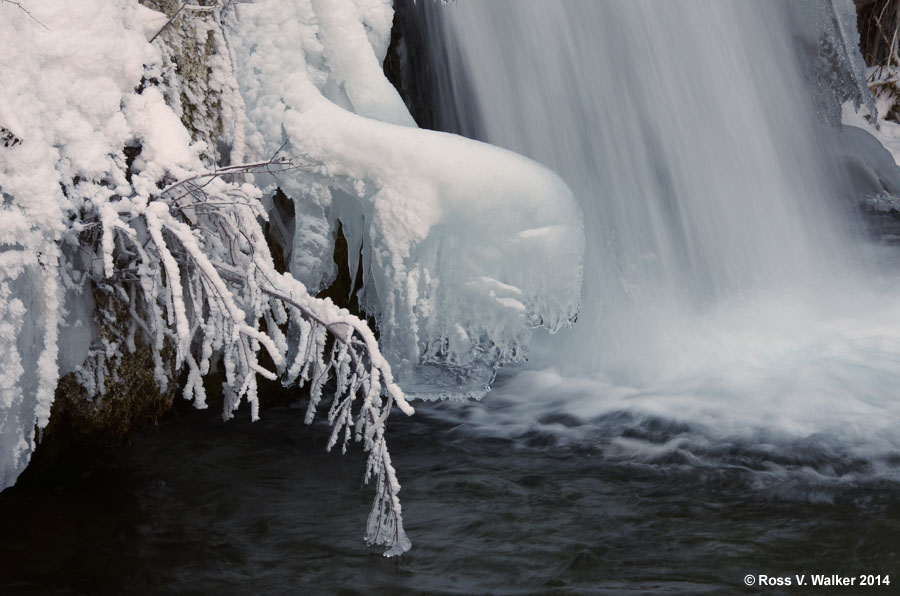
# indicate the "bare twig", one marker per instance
pixel 283 164
pixel 169 22
pixel 26 11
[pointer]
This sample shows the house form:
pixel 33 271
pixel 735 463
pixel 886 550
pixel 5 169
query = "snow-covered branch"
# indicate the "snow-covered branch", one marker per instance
pixel 202 278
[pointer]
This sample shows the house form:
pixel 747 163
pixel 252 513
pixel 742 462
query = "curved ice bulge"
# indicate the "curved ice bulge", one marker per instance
pixel 465 246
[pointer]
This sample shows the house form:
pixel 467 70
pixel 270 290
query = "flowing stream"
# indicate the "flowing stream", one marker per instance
pixel 198 506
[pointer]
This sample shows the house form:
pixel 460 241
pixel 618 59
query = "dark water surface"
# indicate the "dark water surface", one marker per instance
pixel 198 506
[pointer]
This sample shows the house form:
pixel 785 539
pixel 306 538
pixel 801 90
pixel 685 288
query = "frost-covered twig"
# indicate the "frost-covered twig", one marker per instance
pixel 270 166
pixel 201 275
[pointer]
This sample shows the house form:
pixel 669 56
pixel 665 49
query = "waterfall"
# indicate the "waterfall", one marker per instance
pixel 687 132
pixel 727 282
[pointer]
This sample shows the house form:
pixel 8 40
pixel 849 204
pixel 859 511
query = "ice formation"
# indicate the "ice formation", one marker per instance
pixel 62 100
pixel 828 44
pixel 117 175
pixel 465 247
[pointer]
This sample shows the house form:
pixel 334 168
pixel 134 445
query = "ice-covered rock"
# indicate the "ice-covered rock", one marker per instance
pixel 828 45
pixel 66 71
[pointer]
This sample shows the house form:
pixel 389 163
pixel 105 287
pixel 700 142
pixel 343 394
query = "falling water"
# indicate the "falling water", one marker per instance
pixel 725 282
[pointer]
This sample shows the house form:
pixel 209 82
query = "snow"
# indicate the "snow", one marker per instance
pixel 872 154
pixel 886 131
pixel 89 56
pixel 164 140
pixel 350 53
pixel 465 247
pixel 868 147
pixel 438 211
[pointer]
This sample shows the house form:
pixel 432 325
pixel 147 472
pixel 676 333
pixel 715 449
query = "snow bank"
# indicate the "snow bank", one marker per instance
pixel 870 154
pixel 465 247
pixel 887 131
pixel 64 75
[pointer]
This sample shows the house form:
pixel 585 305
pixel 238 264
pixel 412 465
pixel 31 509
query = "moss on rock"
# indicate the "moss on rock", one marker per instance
pixel 189 45
pixel 131 401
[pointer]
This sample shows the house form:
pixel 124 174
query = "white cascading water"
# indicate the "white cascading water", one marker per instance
pixel 723 277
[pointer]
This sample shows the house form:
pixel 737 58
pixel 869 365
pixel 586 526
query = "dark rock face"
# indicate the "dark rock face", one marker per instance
pixel 875 20
pixel 8 138
pixel 188 46
pixel 417 64
pixel 132 398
